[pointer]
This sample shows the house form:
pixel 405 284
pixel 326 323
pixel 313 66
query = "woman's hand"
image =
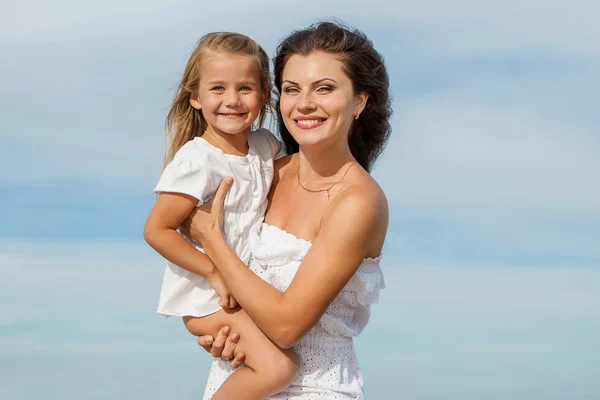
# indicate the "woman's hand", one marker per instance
pixel 223 347
pixel 207 219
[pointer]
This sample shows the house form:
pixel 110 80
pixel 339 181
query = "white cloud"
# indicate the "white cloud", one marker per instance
pixel 126 277
pixel 76 279
pixel 496 294
pixel 510 24
pixel 437 323
pixel 469 156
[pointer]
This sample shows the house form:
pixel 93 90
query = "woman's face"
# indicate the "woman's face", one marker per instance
pixel 317 100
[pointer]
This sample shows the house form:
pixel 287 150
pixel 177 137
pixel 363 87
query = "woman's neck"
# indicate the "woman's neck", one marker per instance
pixel 317 164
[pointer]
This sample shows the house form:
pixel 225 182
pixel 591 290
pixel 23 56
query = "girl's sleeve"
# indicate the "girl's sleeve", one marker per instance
pixel 277 148
pixel 187 176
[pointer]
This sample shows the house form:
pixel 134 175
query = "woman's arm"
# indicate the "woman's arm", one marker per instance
pixel 160 232
pixel 356 223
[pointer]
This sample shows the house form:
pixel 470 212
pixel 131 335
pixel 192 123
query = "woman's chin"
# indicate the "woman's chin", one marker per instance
pixel 308 138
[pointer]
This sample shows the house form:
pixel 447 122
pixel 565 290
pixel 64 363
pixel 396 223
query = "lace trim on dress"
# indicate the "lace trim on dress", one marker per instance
pixel 273 246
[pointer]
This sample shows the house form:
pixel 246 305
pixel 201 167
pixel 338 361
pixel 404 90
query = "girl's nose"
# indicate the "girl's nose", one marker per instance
pixel 232 98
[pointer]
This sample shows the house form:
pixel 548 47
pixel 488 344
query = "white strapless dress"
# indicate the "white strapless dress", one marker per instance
pixel 328 365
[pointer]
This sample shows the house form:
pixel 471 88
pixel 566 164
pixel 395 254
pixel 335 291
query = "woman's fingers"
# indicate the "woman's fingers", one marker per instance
pixel 219 343
pixel 224 187
pixel 230 344
pixel 206 342
pixel 238 360
pixel 223 346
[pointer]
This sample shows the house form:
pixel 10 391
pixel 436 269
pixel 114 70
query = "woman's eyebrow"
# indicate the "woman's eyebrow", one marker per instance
pixel 314 83
pixel 323 79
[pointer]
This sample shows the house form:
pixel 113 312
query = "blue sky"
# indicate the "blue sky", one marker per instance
pixel 492 261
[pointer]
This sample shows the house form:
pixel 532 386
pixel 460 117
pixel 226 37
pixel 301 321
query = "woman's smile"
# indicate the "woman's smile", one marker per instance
pixel 309 122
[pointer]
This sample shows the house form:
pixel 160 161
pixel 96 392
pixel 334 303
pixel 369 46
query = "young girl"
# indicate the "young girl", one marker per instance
pixel 224 89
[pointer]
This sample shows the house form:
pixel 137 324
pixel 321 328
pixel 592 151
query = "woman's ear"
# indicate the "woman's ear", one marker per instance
pixel 360 103
pixel 195 101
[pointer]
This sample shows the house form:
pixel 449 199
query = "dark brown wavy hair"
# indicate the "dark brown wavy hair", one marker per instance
pixel 365 68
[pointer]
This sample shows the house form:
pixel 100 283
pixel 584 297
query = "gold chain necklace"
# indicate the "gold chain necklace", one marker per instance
pixel 219 143
pixel 322 190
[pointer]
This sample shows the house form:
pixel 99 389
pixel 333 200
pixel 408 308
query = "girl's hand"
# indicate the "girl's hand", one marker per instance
pixel 226 299
pixel 207 219
pixel 223 347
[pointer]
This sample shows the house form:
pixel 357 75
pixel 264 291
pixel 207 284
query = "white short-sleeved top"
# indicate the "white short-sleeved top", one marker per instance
pixel 196 170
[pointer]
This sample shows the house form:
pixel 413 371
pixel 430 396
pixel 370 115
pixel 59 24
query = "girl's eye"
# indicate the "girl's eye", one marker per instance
pixel 245 89
pixel 218 88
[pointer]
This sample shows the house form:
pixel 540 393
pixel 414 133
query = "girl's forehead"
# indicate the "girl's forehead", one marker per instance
pixel 229 64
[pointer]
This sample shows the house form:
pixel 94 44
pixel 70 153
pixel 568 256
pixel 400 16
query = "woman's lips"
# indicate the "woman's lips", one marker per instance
pixel 309 123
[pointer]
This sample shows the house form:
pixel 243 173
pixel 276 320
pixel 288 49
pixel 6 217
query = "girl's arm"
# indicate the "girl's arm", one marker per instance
pixel 356 224
pixel 160 232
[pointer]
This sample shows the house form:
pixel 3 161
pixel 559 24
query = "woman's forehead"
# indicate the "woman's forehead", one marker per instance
pixel 316 65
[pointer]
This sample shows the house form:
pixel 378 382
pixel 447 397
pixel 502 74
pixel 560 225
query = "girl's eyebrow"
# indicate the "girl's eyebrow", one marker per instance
pixel 313 83
pixel 218 82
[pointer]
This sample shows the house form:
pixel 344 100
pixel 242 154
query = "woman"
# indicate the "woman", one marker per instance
pixel 315 266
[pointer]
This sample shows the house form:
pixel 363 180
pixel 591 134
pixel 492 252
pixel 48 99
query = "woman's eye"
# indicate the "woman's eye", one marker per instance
pixel 325 89
pixel 291 90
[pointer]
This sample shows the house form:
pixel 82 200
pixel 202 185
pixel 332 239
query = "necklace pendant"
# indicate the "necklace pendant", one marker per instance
pixel 327 195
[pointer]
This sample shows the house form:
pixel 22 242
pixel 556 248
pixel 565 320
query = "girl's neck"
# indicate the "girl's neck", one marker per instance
pixel 235 144
pixel 323 163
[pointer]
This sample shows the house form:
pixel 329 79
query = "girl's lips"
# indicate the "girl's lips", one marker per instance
pixel 309 123
pixel 232 115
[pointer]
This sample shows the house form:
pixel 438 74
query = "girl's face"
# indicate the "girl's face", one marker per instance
pixel 229 94
pixel 317 99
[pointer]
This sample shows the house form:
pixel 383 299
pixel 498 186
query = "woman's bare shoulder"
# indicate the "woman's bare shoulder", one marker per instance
pixel 362 205
pixel 363 190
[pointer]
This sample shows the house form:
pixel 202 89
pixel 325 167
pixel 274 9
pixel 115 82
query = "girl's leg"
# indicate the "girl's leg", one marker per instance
pixel 270 369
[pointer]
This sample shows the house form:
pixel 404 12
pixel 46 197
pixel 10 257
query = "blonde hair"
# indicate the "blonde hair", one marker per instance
pixel 184 122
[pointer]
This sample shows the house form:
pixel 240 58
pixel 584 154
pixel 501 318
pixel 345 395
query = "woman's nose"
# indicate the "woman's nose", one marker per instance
pixel 306 102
